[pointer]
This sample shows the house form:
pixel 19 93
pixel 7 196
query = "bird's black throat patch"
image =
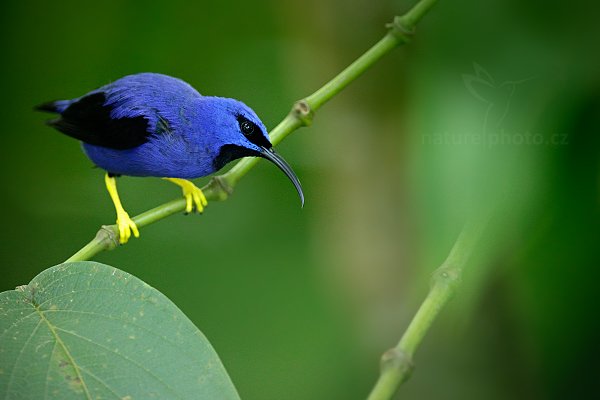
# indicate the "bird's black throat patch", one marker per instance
pixel 230 152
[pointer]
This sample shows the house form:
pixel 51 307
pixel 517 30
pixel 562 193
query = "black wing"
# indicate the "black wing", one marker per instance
pixel 88 120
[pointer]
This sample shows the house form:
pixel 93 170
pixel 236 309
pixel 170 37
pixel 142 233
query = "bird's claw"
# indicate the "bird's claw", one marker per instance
pixel 194 198
pixel 126 225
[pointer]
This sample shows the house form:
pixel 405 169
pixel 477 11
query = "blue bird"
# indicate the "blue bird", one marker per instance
pixel 150 124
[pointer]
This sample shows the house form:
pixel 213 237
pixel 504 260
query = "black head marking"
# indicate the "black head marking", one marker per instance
pixel 253 132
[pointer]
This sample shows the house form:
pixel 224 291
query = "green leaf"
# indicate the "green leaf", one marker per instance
pixel 86 330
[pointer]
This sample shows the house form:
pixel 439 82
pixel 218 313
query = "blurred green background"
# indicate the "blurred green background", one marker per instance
pixel 300 303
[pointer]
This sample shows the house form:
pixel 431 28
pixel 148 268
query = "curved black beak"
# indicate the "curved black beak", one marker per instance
pixel 276 159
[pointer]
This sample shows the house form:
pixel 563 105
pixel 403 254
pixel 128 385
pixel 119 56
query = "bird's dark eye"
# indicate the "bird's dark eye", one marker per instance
pixel 247 128
pixel 253 132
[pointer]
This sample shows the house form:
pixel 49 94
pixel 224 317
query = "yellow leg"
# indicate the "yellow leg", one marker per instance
pixel 124 223
pixel 192 193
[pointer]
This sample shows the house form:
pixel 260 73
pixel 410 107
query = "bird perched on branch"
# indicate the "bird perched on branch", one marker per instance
pixel 150 124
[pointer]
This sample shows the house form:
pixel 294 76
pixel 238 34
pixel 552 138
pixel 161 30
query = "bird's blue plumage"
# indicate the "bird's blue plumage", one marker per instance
pixel 185 134
pixel 155 125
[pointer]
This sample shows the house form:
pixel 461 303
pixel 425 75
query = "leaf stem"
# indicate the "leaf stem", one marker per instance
pixel 397 363
pixel 301 114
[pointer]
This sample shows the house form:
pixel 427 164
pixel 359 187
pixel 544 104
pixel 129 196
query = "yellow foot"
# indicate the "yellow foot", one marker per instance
pixel 124 223
pixel 194 198
pixel 126 226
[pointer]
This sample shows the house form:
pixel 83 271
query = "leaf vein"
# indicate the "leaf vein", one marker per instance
pixel 124 357
pixel 12 373
pixel 66 350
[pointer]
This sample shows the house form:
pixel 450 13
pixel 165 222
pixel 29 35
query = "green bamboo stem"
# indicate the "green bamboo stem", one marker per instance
pixel 397 363
pixel 220 187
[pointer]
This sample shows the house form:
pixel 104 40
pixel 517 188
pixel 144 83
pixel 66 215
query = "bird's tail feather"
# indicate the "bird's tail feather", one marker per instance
pixel 57 106
pixel 49 106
